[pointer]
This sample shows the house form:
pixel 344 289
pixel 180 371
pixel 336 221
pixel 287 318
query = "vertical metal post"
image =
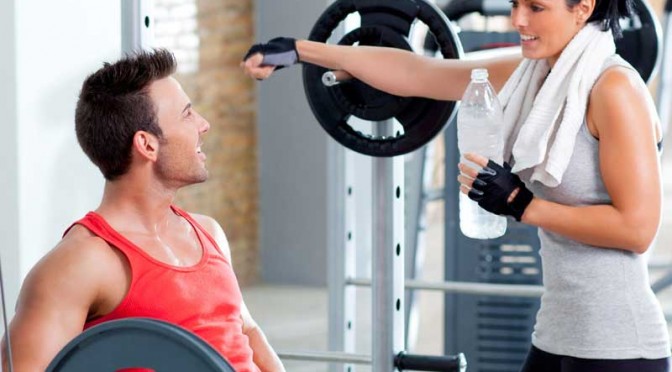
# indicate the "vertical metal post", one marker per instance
pixel 137 25
pixel 7 338
pixel 388 262
pixel 454 240
pixel 417 182
pixel 341 253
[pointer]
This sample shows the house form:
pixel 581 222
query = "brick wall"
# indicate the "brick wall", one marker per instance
pixel 209 37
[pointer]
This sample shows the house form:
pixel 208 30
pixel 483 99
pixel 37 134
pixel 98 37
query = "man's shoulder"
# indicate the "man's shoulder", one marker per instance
pixel 215 230
pixel 209 224
pixel 80 247
pixel 79 262
pixel 81 238
pixel 202 218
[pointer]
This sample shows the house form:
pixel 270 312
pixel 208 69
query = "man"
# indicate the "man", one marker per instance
pixel 138 255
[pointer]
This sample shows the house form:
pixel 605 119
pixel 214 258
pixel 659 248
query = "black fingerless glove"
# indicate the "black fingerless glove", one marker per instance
pixel 493 186
pixel 279 52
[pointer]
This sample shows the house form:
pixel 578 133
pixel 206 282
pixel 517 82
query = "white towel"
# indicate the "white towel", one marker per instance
pixel 544 111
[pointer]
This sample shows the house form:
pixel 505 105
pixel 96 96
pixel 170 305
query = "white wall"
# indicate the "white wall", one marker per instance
pixel 9 209
pixel 46 182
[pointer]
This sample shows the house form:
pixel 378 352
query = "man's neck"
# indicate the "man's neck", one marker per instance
pixel 142 207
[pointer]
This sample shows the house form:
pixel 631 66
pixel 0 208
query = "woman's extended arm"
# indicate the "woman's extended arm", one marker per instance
pixel 397 71
pixel 405 73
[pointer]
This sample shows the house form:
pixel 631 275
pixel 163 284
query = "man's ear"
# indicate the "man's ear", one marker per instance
pixel 146 145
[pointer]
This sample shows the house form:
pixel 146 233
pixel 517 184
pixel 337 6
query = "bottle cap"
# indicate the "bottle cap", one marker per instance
pixel 479 74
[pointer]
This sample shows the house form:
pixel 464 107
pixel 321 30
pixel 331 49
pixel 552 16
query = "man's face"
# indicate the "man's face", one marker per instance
pixel 180 159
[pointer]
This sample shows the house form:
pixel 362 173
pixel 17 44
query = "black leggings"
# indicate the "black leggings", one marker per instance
pixel 541 361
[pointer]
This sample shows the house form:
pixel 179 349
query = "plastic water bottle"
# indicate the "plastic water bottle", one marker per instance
pixel 479 131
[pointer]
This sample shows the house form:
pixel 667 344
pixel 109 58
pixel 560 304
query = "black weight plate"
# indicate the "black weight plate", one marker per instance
pixel 138 343
pixel 364 101
pixel 641 44
pixel 422 119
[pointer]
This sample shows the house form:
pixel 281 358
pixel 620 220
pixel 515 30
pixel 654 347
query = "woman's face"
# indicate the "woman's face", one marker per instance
pixel 547 26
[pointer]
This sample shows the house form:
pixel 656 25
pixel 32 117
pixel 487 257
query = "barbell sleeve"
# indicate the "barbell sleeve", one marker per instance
pixel 331 78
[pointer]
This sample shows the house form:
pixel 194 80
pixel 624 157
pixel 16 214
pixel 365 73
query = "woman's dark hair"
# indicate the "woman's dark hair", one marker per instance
pixel 114 104
pixel 609 13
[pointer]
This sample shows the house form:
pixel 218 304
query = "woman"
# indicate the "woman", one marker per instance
pixel 593 187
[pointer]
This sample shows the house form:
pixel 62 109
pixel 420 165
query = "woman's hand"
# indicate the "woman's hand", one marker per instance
pixel 468 173
pixel 494 187
pixel 262 59
pixel 253 67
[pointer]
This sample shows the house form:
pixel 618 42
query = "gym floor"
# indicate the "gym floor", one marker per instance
pixel 295 318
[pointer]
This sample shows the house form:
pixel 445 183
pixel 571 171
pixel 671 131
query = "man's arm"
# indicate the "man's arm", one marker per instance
pixel 263 354
pixel 53 304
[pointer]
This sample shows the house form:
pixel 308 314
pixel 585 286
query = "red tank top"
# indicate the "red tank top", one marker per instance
pixel 204 298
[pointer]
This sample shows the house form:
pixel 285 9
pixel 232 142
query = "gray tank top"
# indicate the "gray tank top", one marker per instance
pixel 597 302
